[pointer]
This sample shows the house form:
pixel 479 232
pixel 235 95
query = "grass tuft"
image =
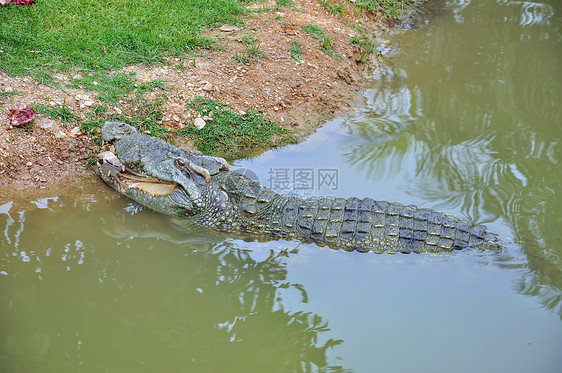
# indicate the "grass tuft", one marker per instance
pixel 230 134
pixel 112 87
pixel 318 33
pixel 58 111
pixel 329 49
pixel 390 8
pixel 252 53
pixel 333 8
pixel 282 3
pixel 6 94
pixel 365 43
pixel 296 51
pixel 315 31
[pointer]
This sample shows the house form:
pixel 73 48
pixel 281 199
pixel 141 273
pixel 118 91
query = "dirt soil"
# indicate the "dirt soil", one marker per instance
pixel 296 94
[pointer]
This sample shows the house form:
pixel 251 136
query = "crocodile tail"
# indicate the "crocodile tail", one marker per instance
pixel 380 226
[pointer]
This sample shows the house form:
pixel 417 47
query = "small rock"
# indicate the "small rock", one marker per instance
pixel 228 28
pixel 88 103
pixel 199 123
pixel 175 118
pixel 60 135
pixel 207 87
pixel 46 123
pixel 75 131
pixel 29 164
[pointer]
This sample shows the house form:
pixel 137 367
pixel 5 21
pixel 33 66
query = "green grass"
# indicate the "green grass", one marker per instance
pixel 279 4
pixel 59 111
pixel 390 8
pixel 251 53
pixel 144 114
pixel 113 86
pixel 247 39
pixel 6 94
pixel 296 50
pixel 327 47
pixel 93 34
pixel 333 8
pixel 231 134
pixel 90 162
pixel 364 42
pixel 228 134
pixel 316 32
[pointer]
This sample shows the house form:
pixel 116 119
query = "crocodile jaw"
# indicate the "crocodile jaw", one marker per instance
pixel 124 179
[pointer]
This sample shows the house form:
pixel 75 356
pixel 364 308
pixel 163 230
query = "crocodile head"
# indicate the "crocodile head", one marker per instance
pixel 156 174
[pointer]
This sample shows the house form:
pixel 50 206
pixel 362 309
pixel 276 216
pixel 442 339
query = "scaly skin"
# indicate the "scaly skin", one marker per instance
pixel 233 203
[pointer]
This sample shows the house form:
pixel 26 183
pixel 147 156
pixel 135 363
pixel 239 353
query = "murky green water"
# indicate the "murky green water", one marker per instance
pixel 463 117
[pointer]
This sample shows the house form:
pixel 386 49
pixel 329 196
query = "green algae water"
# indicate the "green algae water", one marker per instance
pixel 462 116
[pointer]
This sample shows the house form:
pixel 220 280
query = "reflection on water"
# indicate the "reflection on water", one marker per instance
pixel 97 293
pixel 469 108
pixel 100 284
pixel 463 117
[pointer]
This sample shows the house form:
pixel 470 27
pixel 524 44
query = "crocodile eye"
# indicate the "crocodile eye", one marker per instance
pixel 180 163
pixel 124 128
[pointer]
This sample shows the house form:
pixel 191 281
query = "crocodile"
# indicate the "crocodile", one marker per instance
pixel 202 190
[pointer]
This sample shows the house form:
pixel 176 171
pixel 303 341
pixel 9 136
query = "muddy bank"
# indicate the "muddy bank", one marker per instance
pixel 297 90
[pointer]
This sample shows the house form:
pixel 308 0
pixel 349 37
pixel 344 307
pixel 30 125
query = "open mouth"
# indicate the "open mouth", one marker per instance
pixel 127 179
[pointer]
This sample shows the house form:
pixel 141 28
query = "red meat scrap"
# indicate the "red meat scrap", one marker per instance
pixel 17 2
pixel 21 117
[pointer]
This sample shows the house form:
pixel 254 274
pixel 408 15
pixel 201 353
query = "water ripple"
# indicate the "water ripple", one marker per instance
pixel 532 13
